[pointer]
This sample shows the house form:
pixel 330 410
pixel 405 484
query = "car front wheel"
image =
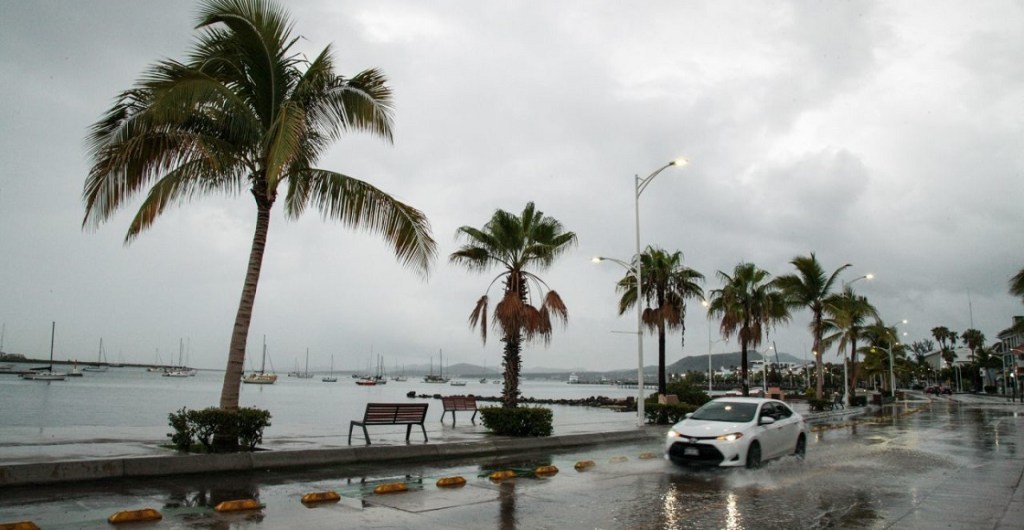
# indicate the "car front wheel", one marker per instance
pixel 754 456
pixel 801 447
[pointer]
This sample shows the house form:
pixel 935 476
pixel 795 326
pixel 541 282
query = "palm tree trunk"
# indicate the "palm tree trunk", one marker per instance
pixel 743 366
pixel 854 368
pixel 819 371
pixel 513 364
pixel 240 332
pixel 661 358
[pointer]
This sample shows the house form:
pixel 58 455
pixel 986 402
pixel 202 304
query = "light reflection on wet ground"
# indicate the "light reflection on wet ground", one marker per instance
pixel 866 475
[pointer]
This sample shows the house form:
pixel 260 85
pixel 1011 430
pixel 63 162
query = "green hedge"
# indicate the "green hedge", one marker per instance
pixel 518 421
pixel 859 401
pixel 661 414
pixel 244 426
pixel 819 405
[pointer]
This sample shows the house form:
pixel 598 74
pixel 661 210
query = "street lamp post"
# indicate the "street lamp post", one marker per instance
pixel 846 359
pixel 640 185
pixel 711 376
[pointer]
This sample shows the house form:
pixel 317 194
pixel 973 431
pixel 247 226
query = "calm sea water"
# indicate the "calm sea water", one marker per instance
pixel 132 404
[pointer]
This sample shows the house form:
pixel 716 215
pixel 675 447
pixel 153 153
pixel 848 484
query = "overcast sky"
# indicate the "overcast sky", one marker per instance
pixel 883 134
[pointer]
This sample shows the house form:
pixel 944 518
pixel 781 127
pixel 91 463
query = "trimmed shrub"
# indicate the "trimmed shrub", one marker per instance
pixel 858 401
pixel 687 392
pixel 819 405
pixel 518 421
pixel 241 428
pixel 664 414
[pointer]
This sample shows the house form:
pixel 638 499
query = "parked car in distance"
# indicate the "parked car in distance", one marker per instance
pixel 737 431
pixel 938 389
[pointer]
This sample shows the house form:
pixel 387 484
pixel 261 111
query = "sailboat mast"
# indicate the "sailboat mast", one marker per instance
pixel 53 330
pixel 263 363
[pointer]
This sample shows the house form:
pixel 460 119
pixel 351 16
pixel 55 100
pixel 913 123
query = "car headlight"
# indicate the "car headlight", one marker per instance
pixel 673 434
pixel 731 437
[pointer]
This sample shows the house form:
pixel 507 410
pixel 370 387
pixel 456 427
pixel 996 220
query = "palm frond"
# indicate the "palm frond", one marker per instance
pixel 359 205
pixel 479 317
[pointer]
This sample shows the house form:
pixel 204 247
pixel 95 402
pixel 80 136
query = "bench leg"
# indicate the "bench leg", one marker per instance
pixel 424 432
pixel 473 418
pixel 350 433
pixel 366 435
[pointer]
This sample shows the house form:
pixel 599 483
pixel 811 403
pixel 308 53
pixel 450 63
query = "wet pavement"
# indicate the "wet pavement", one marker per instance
pixel 944 463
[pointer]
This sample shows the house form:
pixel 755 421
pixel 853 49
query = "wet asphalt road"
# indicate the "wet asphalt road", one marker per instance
pixel 927 466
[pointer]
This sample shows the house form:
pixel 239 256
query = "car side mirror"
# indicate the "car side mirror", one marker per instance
pixel 766 420
pixel 688 414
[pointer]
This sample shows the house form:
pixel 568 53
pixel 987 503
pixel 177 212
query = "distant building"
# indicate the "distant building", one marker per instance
pixel 960 356
pixel 1011 347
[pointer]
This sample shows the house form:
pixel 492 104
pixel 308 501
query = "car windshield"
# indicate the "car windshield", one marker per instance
pixel 730 411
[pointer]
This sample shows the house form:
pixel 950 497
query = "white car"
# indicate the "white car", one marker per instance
pixel 737 431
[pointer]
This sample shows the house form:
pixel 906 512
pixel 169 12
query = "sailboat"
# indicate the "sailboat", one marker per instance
pixel 261 377
pixel 297 373
pixel 181 370
pixel 330 378
pixel 48 374
pixel 101 365
pixel 381 377
pixel 158 362
pixel 431 378
pixel 400 378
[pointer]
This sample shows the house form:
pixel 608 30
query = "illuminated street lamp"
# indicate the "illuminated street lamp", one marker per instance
pixel 640 185
pixel 846 359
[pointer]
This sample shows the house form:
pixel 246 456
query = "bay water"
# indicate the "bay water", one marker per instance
pixel 131 404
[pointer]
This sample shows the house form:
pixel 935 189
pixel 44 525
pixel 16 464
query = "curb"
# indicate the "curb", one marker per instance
pixel 152 466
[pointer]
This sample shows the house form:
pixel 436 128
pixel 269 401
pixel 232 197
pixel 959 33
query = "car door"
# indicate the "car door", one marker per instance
pixel 771 434
pixel 788 428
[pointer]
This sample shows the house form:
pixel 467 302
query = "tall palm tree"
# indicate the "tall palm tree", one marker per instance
pixel 516 244
pixel 847 315
pixel 667 284
pixel 247 112
pixel 748 304
pixel 809 288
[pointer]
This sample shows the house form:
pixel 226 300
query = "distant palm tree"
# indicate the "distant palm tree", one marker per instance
pixel 516 244
pixel 1017 289
pixel 942 335
pixel 667 284
pixel 748 304
pixel 1017 285
pixel 247 112
pixel 974 340
pixel 881 337
pixel 847 315
pixel 810 288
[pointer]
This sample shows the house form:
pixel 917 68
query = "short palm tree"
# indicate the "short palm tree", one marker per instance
pixel 809 288
pixel 748 304
pixel 847 314
pixel 516 244
pixel 667 284
pixel 246 112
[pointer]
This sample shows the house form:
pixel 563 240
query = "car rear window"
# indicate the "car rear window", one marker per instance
pixel 726 411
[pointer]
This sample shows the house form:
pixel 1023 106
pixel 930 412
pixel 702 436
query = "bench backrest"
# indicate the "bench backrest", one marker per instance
pixel 458 403
pixel 395 412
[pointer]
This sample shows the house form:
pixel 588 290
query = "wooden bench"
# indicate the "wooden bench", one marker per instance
pixel 452 404
pixel 407 414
